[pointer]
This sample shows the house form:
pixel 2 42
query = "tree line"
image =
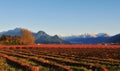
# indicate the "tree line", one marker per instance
pixel 25 39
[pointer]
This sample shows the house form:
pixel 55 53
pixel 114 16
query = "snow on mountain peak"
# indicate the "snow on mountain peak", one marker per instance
pixel 87 35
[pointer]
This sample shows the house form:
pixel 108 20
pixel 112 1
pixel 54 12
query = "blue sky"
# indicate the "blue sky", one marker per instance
pixel 62 17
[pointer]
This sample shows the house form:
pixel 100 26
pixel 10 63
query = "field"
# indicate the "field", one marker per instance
pixel 60 57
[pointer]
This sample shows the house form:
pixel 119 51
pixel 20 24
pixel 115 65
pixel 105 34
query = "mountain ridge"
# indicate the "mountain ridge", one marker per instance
pixel 98 38
pixel 40 36
pixel 43 37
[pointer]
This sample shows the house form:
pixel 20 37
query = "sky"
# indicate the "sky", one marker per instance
pixel 62 17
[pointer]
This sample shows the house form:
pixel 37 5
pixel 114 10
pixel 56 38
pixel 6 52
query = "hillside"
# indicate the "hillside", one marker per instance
pixel 40 37
pixel 87 38
pixel 115 39
pixel 43 37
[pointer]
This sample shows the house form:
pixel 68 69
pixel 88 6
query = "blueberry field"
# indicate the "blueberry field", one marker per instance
pixel 64 58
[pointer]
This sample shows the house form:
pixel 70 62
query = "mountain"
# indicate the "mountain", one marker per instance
pixel 88 38
pixel 40 34
pixel 14 32
pixel 102 35
pixel 114 39
pixel 40 37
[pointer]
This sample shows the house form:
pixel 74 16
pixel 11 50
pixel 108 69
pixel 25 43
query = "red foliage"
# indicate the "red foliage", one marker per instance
pixel 62 46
